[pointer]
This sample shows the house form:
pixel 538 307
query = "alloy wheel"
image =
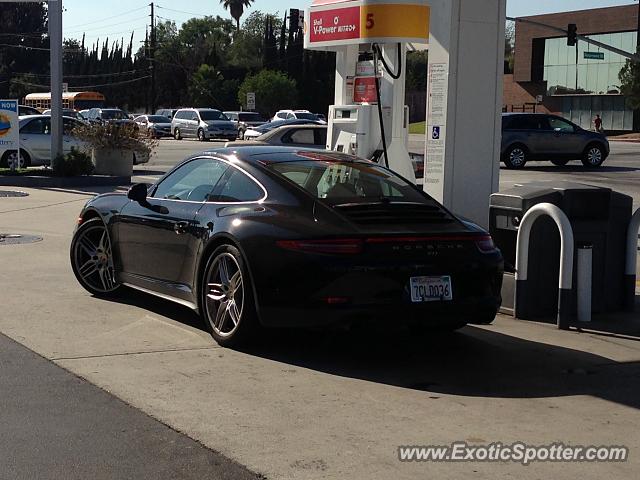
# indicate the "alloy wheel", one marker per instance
pixel 517 157
pixel 201 135
pixel 94 259
pixel 11 158
pixel 594 156
pixel 224 295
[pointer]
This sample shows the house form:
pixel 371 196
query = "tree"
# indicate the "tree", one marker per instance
pixel 630 83
pixel 274 91
pixel 509 46
pixel 417 70
pixel 236 9
pixel 208 88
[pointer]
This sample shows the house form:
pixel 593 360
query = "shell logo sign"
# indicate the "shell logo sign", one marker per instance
pixel 365 21
pixel 5 125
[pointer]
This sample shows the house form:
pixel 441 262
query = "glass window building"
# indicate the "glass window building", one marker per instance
pixel 587 78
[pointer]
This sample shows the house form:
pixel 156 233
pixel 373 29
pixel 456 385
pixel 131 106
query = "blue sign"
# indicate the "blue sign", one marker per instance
pixel 9 126
pixel 435 133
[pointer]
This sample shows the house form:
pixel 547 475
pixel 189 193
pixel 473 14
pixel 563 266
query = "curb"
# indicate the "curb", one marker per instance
pixel 63 182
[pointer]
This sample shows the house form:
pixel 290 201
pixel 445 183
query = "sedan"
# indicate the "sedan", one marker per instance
pixel 265 236
pixel 35 140
pixel 255 132
pixel 67 112
pixel 305 136
pixel 156 126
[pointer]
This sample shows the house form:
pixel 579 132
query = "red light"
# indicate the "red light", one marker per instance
pixel 485 244
pixel 348 246
pixel 336 300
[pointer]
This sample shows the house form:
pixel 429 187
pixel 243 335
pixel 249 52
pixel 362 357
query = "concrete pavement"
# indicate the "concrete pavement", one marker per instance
pixel 321 405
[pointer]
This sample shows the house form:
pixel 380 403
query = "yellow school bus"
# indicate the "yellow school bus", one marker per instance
pixel 71 100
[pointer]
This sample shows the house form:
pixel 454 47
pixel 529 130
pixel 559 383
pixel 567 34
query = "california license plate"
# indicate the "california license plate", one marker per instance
pixel 431 289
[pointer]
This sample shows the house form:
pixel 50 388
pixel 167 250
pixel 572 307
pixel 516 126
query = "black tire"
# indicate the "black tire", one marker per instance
pixel 214 295
pixel 559 162
pixel 240 134
pixel 201 136
pixel 593 156
pixel 101 282
pixel 484 318
pixel 25 159
pixel 516 157
pixel 176 134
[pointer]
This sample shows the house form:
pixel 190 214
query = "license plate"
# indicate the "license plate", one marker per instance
pixel 431 289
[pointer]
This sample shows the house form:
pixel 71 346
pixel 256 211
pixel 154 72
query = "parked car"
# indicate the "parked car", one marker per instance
pixel 26 110
pixel 306 136
pixel 295 115
pixel 321 116
pixel 156 126
pixel 203 124
pixel 167 112
pixel 67 112
pixel 244 120
pixel 35 140
pixel 279 236
pixel 110 115
pixel 84 114
pixel 255 132
pixel 536 136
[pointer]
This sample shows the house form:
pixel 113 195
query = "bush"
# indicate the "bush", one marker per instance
pixel 73 164
pixel 116 136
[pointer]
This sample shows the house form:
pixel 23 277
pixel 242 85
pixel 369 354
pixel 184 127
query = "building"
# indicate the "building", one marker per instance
pixel 575 82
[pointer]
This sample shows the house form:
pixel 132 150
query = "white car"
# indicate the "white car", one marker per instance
pixel 294 115
pixel 35 140
pixel 303 136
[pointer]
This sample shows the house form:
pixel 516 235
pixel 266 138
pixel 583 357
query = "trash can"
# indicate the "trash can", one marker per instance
pixel 598 216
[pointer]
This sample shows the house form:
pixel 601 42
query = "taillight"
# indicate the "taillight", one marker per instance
pixel 342 246
pixel 485 244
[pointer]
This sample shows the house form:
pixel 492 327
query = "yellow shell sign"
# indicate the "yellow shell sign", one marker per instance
pixel 5 125
pixel 343 22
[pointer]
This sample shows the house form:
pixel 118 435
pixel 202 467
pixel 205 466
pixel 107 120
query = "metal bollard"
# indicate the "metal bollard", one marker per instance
pixel 585 281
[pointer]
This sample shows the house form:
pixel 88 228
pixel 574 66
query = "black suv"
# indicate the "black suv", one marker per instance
pixel 537 136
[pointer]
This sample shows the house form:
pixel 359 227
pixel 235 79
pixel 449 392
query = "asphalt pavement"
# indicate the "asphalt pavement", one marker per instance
pixel 56 425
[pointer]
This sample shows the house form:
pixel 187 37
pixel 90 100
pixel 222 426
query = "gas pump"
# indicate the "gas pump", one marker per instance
pixel 370 38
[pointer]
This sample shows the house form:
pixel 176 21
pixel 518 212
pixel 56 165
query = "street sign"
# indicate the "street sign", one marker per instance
pixel 594 55
pixel 251 101
pixel 9 128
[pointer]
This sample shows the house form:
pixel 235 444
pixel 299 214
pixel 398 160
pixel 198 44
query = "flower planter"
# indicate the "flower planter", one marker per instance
pixel 114 162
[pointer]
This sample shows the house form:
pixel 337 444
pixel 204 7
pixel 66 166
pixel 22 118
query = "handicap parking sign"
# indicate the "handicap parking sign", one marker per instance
pixel 435 133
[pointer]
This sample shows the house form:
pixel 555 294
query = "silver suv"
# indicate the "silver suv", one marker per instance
pixel 536 136
pixel 203 124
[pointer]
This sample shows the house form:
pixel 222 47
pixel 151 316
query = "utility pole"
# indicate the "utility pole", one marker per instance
pixel 152 57
pixel 55 40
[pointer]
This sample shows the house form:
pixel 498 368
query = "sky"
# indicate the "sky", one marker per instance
pixel 118 18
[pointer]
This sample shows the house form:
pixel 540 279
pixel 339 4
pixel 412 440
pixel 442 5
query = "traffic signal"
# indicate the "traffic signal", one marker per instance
pixel 572 35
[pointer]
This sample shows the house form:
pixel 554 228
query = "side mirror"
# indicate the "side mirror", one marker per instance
pixel 138 192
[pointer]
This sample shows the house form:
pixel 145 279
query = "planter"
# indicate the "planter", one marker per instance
pixel 114 162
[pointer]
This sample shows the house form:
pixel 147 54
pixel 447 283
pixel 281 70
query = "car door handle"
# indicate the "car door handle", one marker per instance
pixel 181 227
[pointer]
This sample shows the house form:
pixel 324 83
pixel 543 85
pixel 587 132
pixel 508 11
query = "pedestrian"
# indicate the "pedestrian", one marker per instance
pixel 598 124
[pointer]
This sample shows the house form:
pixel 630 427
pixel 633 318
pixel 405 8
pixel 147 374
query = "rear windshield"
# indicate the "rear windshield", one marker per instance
pixel 250 117
pixel 306 116
pixel 212 115
pixel 114 115
pixel 158 119
pixel 348 182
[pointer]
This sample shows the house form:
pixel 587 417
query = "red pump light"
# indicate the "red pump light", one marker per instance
pixel 342 246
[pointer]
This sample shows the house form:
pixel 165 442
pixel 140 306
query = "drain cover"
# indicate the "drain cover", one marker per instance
pixel 12 193
pixel 17 239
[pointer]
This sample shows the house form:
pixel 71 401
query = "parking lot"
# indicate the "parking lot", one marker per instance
pixel 322 404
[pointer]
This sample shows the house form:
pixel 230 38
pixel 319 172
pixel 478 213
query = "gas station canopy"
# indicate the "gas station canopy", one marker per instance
pixel 335 23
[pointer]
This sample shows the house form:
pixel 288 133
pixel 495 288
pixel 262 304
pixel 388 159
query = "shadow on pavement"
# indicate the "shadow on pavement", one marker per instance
pixel 571 168
pixel 475 362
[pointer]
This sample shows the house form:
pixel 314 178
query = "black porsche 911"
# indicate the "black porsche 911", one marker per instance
pixel 271 236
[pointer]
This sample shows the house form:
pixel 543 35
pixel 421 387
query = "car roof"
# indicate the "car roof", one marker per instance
pixel 254 154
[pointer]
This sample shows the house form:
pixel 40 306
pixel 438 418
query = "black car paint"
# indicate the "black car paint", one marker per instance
pixel 151 256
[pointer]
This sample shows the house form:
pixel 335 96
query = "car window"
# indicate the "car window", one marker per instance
pixel 250 117
pixel 238 187
pixel 212 115
pixel 301 135
pixel 559 125
pixel 526 122
pixel 38 126
pixel 194 181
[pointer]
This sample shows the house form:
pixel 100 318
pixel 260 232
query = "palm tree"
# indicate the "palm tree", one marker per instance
pixel 236 8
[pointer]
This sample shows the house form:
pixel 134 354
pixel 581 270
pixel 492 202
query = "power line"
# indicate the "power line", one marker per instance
pixel 123 82
pixel 108 26
pixel 182 11
pixel 96 75
pixel 107 18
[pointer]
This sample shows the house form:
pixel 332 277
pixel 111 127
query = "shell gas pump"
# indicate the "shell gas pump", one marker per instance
pixel 370 37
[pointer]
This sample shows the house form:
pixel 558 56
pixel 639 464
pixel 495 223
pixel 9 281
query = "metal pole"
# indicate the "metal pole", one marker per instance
pixel 585 280
pixel 55 39
pixel 153 59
